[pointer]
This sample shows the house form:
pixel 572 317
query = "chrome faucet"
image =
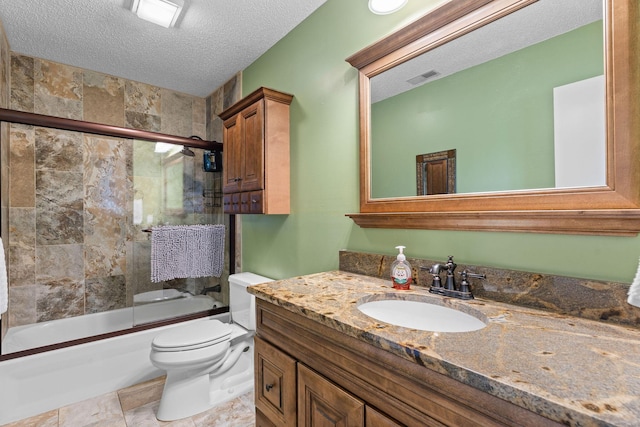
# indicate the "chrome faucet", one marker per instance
pixel 450 289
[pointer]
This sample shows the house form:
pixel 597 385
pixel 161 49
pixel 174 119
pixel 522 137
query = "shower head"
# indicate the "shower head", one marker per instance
pixel 187 152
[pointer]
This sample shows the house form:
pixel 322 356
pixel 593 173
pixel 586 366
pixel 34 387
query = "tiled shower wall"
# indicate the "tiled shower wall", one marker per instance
pixel 72 245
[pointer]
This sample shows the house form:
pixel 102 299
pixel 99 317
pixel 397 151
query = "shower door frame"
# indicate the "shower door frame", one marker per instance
pixel 21 117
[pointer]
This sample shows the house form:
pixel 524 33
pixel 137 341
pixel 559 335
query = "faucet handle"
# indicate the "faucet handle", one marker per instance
pixel 464 284
pixel 474 275
pixel 450 264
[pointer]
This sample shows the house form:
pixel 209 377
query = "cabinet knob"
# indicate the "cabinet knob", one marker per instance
pixel 268 387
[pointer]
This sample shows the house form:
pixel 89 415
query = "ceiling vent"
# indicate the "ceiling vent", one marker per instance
pixel 423 77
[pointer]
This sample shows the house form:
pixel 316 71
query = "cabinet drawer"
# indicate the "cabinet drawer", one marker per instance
pixel 251 202
pixel 231 203
pixel 275 384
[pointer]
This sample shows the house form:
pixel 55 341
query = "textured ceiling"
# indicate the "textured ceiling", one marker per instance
pixel 213 39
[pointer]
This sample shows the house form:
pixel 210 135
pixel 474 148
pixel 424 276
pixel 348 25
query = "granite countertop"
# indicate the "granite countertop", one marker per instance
pixel 575 371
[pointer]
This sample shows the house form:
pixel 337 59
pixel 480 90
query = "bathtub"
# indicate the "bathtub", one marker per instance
pixel 41 382
pixel 61 330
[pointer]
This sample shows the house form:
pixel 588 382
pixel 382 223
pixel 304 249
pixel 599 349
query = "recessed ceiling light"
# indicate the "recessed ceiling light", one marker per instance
pixel 384 7
pixel 160 12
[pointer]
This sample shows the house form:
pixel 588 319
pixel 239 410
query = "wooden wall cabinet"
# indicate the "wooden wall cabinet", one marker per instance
pixel 256 154
pixel 307 374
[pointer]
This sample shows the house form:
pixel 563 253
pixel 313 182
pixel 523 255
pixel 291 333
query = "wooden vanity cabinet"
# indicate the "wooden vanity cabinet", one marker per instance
pixel 256 162
pixel 285 388
pixel 325 377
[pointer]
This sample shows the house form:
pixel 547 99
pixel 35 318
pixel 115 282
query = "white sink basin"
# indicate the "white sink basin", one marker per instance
pixel 421 315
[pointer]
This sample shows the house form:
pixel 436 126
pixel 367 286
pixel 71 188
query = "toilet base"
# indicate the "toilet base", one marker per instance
pixel 174 406
pixel 186 395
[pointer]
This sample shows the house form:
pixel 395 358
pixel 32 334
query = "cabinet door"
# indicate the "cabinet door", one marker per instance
pixel 322 403
pixel 253 147
pixel 377 419
pixel 275 384
pixel 231 172
pixel 262 420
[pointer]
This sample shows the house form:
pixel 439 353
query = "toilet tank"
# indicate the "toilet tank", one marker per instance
pixel 242 304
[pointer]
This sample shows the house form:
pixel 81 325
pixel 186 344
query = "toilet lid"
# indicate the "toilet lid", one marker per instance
pixel 193 336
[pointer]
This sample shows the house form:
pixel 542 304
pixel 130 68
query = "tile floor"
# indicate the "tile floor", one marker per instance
pixel 136 406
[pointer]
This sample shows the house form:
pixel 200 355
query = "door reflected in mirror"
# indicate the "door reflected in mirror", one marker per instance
pixel 522 100
pixel 436 173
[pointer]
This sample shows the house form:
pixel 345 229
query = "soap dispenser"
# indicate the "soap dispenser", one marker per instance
pixel 401 271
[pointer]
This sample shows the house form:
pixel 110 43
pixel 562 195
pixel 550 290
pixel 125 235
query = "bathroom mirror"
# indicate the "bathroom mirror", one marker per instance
pixel 531 192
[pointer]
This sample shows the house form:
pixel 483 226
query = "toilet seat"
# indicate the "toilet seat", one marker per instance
pixel 193 336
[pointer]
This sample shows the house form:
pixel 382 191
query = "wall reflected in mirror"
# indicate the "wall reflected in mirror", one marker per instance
pixel 522 99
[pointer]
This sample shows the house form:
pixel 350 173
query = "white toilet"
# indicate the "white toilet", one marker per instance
pixel 208 362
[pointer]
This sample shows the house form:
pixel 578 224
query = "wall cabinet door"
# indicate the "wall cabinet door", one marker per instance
pixel 244 150
pixel 252 170
pixel 321 403
pixel 231 155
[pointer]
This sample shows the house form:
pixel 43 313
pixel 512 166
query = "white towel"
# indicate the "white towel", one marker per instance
pixel 634 290
pixel 180 251
pixel 4 286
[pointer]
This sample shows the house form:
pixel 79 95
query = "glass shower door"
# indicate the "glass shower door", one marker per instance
pixel 171 188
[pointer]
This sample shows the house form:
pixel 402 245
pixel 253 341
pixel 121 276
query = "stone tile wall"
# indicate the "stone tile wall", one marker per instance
pixel 72 245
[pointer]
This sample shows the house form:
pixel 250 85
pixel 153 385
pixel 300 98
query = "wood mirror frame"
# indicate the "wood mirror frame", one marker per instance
pixel 610 210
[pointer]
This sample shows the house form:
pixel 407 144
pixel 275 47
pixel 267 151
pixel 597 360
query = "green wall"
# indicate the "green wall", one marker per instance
pixel 498 115
pixel 310 64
